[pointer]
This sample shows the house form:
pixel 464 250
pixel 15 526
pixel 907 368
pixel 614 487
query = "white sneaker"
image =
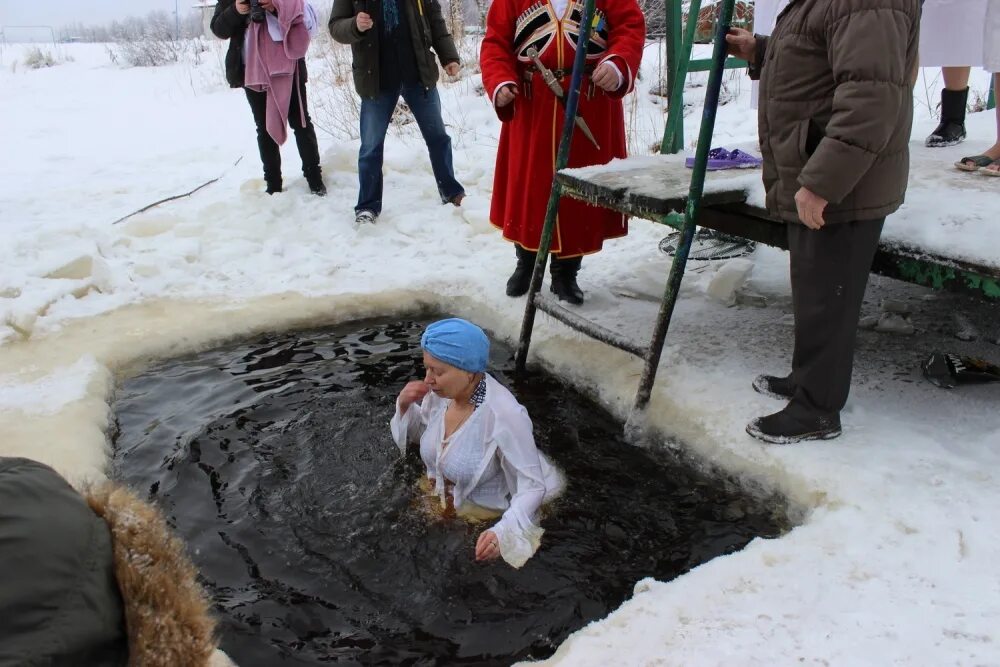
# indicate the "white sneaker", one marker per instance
pixel 365 218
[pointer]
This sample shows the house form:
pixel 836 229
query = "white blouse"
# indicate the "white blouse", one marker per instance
pixel 491 460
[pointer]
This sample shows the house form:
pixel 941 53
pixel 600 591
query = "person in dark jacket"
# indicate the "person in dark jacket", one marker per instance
pixel 94 579
pixel 834 118
pixel 231 21
pixel 59 600
pixel 391 41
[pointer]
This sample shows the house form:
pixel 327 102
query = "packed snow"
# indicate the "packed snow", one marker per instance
pixel 895 560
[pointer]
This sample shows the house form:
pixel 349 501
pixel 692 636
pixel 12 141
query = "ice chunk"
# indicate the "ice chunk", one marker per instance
pixel 893 323
pixel 728 279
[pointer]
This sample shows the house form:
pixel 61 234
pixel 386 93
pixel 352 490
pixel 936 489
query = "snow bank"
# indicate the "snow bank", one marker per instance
pixel 895 562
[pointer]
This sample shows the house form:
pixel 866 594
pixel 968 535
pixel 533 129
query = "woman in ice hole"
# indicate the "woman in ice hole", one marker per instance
pixel 476 442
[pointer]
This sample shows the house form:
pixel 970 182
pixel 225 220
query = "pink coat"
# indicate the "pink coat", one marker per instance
pixel 271 67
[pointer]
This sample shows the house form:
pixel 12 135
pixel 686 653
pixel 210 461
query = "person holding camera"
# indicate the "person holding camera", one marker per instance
pixel 268 40
pixel 391 42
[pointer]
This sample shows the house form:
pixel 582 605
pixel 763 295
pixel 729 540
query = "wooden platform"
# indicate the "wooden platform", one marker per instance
pixel 651 187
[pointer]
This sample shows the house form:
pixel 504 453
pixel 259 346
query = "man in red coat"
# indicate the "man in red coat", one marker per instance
pixel 533 119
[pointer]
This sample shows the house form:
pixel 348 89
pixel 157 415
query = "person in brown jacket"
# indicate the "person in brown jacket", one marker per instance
pixel 835 114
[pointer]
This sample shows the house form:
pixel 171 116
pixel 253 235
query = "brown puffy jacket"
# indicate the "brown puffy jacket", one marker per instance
pixel 836 105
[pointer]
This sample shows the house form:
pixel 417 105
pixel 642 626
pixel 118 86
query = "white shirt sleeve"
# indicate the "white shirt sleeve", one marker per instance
pixel 517 532
pixel 410 426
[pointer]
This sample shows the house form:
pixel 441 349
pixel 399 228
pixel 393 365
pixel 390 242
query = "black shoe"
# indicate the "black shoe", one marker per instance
pixel 317 186
pixel 785 428
pixel 563 283
pixel 951 130
pixel 273 187
pixel 520 280
pixel 774 387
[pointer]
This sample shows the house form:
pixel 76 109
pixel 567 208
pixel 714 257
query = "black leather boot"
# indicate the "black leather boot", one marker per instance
pixel 774 386
pixel 520 280
pixel 564 280
pixel 951 130
pixel 314 177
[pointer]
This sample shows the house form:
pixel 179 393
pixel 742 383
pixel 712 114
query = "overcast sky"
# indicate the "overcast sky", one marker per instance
pixel 57 13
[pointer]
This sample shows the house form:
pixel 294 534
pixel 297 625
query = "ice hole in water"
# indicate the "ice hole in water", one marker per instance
pixel 272 458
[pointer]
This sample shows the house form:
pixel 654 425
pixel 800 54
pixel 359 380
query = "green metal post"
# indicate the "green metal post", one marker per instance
pixel 673 135
pixel 675 110
pixel 562 158
pixel 679 65
pixel 693 207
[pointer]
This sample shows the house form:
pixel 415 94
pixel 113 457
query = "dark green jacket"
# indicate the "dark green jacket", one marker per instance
pixel 428 28
pixel 59 601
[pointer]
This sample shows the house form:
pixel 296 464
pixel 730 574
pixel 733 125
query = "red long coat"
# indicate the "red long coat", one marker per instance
pixel 532 124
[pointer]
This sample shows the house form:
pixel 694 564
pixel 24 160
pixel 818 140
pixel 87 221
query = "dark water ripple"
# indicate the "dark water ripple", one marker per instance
pixel 273 459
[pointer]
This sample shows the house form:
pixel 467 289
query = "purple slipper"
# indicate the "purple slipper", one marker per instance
pixel 720 158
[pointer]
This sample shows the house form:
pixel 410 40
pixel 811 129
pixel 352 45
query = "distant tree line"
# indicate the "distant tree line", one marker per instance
pixel 464 13
pixel 159 24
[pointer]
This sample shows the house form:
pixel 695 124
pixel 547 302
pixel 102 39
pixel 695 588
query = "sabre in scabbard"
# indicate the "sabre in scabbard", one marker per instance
pixel 553 83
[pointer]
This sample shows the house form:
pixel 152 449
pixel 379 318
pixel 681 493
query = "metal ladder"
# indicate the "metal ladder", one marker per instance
pixel 679 64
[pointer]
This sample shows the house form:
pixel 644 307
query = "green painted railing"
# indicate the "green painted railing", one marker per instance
pixel 679 65
pixel 686 221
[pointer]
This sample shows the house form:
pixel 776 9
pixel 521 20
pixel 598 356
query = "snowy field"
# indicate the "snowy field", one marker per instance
pixel 896 559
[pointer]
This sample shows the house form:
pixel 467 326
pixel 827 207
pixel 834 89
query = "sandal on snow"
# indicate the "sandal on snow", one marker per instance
pixel 974 162
pixel 720 158
pixel 986 171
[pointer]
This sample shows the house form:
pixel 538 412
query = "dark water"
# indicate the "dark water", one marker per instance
pixel 273 459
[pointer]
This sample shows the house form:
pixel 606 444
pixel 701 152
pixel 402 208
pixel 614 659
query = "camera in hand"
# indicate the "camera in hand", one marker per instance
pixel 256 11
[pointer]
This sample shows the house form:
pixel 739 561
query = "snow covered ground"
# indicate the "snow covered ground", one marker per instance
pixel 896 560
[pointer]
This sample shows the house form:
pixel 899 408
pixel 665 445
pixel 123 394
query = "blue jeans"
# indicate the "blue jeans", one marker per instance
pixel 375 115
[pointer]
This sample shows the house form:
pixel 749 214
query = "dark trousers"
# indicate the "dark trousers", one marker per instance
pixel 829 269
pixel 305 135
pixel 376 113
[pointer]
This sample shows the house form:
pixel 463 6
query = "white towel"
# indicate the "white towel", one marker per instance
pixel 951 33
pixel 991 37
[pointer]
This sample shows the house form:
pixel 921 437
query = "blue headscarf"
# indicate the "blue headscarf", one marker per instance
pixel 457 342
